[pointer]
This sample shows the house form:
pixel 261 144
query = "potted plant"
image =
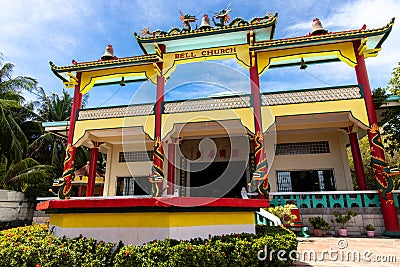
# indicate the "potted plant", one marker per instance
pixel 370 230
pixel 342 220
pixel 319 224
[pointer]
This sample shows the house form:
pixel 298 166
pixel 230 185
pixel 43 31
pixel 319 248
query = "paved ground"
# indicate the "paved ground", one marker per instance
pixel 335 251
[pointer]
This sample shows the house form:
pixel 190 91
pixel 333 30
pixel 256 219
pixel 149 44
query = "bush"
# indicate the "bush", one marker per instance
pixel 35 246
pixel 284 213
pixel 319 223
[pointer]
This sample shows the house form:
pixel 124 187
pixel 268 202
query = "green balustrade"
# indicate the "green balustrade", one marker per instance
pixel 352 199
pixel 316 201
pixel 303 201
pixel 396 199
pixel 371 202
pixel 333 201
pixel 356 200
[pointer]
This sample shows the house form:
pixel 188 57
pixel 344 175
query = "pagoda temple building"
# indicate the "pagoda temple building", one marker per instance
pixel 238 151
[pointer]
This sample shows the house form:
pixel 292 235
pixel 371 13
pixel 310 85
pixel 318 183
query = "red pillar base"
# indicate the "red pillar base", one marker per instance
pixel 94 152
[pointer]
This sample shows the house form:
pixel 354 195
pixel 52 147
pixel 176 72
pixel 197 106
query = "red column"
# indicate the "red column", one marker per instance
pixel 67 176
pixel 80 190
pixel 94 153
pixel 171 168
pixel 382 180
pixel 357 160
pixel 76 105
pixel 101 189
pixel 261 170
pixel 157 175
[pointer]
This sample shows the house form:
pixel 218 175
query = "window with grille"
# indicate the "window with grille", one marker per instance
pixel 131 186
pixel 305 180
pixel 136 156
pixel 302 148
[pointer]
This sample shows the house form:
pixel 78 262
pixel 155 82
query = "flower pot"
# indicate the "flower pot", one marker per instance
pixel 317 232
pixel 371 233
pixel 342 232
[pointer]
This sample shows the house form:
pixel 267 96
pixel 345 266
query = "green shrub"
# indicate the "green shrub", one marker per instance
pixel 35 246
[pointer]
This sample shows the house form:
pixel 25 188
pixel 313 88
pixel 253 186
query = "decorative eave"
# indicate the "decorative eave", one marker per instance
pixel 322 48
pixel 333 37
pixel 214 37
pixel 102 64
pixel 114 69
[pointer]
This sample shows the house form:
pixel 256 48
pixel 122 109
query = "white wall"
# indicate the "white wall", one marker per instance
pixel 336 159
pixel 14 207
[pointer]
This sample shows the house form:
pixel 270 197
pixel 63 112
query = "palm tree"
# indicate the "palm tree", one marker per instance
pixel 26 175
pixel 49 148
pixel 18 172
pixel 13 142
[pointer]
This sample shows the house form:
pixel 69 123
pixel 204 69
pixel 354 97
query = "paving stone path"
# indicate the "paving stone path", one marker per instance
pixel 336 251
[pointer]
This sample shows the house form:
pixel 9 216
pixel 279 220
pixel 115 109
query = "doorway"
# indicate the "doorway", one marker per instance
pixel 218 179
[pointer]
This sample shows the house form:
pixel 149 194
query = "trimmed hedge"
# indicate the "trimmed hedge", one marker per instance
pixel 35 246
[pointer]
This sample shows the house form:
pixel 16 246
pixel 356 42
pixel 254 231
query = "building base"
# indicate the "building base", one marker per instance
pixel 140 220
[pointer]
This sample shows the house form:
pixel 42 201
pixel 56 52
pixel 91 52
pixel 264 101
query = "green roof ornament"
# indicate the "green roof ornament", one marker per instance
pixel 222 16
pixel 186 20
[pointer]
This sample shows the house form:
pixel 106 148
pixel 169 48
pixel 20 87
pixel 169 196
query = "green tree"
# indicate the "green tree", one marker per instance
pixel 13 142
pixel 391 117
pixel 26 175
pixel 17 171
pixel 49 148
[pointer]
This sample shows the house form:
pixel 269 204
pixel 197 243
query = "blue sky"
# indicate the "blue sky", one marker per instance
pixel 36 32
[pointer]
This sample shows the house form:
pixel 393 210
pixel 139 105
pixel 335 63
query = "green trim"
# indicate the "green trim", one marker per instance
pixel 55 123
pixel 361 90
pixel 392 234
pixel 56 73
pixel 140 44
pixel 199 33
pixel 385 36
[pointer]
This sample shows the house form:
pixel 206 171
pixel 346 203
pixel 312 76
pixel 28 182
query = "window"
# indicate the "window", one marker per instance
pixel 302 148
pixel 305 180
pixel 136 156
pixel 129 186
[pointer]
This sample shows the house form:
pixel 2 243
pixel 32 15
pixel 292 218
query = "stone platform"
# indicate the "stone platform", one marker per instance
pixel 139 220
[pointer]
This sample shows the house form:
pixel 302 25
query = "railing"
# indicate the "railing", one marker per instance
pixel 227 102
pixel 311 95
pixel 205 104
pixel 331 199
pixel 115 112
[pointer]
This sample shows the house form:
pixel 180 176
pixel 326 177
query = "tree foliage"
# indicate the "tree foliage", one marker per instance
pixel 18 171
pixel 391 116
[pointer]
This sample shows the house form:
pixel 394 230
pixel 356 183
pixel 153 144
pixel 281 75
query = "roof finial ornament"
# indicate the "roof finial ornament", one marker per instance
pixel 109 53
pixel 317 27
pixel 145 31
pixel 205 23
